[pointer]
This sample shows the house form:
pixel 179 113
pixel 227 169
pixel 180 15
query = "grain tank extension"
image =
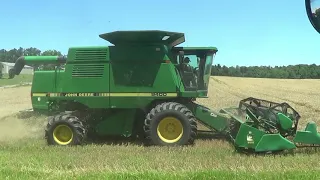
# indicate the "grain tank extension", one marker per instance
pixel 145 86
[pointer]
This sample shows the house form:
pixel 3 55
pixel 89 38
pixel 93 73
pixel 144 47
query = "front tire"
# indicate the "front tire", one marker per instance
pixel 65 129
pixel 169 124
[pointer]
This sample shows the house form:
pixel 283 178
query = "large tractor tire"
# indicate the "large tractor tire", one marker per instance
pixel 65 129
pixel 170 124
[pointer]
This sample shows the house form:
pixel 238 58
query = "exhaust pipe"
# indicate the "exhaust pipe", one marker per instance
pixel 23 60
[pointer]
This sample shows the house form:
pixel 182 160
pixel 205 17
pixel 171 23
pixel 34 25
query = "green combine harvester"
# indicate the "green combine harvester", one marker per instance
pixel 145 86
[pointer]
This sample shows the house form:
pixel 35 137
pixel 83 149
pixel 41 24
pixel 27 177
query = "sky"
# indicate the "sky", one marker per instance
pixel 246 33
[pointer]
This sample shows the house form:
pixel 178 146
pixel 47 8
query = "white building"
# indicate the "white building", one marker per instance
pixel 7 66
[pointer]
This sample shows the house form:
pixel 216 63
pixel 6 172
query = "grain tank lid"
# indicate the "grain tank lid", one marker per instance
pixel 144 37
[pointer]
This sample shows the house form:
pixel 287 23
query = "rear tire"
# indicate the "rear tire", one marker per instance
pixel 65 129
pixel 170 123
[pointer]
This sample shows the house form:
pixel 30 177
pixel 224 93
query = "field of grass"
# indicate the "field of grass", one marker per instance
pixel 19 79
pixel 24 154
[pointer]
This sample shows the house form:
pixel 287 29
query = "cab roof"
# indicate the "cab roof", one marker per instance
pixel 168 38
pixel 196 49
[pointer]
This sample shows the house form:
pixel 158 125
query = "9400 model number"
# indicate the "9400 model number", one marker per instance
pixel 159 94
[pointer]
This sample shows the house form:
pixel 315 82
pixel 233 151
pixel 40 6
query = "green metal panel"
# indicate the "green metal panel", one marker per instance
pixel 119 123
pixel 309 136
pixel 86 72
pixel 135 75
pixel 177 80
pixel 155 78
pixel 130 95
pixel 93 91
pixel 285 122
pixel 214 120
pixel 88 54
pixel 90 79
pixel 45 81
pixel 248 136
pixel 273 142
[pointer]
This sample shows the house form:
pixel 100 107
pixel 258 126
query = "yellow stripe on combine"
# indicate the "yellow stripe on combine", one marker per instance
pixel 104 94
pixel 172 95
pixel 54 94
pixel 142 94
pixel 129 94
pixel 39 94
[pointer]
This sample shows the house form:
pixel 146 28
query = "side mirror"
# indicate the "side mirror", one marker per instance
pixel 181 57
pixel 313 12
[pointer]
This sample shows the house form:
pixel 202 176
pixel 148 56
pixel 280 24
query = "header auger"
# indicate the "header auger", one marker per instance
pixel 144 86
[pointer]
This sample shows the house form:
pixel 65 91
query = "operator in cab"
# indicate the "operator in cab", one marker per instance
pixel 186 66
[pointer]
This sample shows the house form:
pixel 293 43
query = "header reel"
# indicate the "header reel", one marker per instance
pixel 271 117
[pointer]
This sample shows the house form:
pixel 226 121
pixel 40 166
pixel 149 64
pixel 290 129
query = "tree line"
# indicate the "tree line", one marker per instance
pixel 13 54
pixel 300 71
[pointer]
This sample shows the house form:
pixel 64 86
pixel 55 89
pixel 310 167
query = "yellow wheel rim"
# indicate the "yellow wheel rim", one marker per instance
pixel 170 130
pixel 62 134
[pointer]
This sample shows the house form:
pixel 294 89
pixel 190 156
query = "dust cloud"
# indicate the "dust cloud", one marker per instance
pixel 12 126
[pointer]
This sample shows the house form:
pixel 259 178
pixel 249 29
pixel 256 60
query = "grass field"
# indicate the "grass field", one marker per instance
pixel 20 79
pixel 24 154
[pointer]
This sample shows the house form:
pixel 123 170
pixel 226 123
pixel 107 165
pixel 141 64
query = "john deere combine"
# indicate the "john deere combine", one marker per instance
pixel 145 86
